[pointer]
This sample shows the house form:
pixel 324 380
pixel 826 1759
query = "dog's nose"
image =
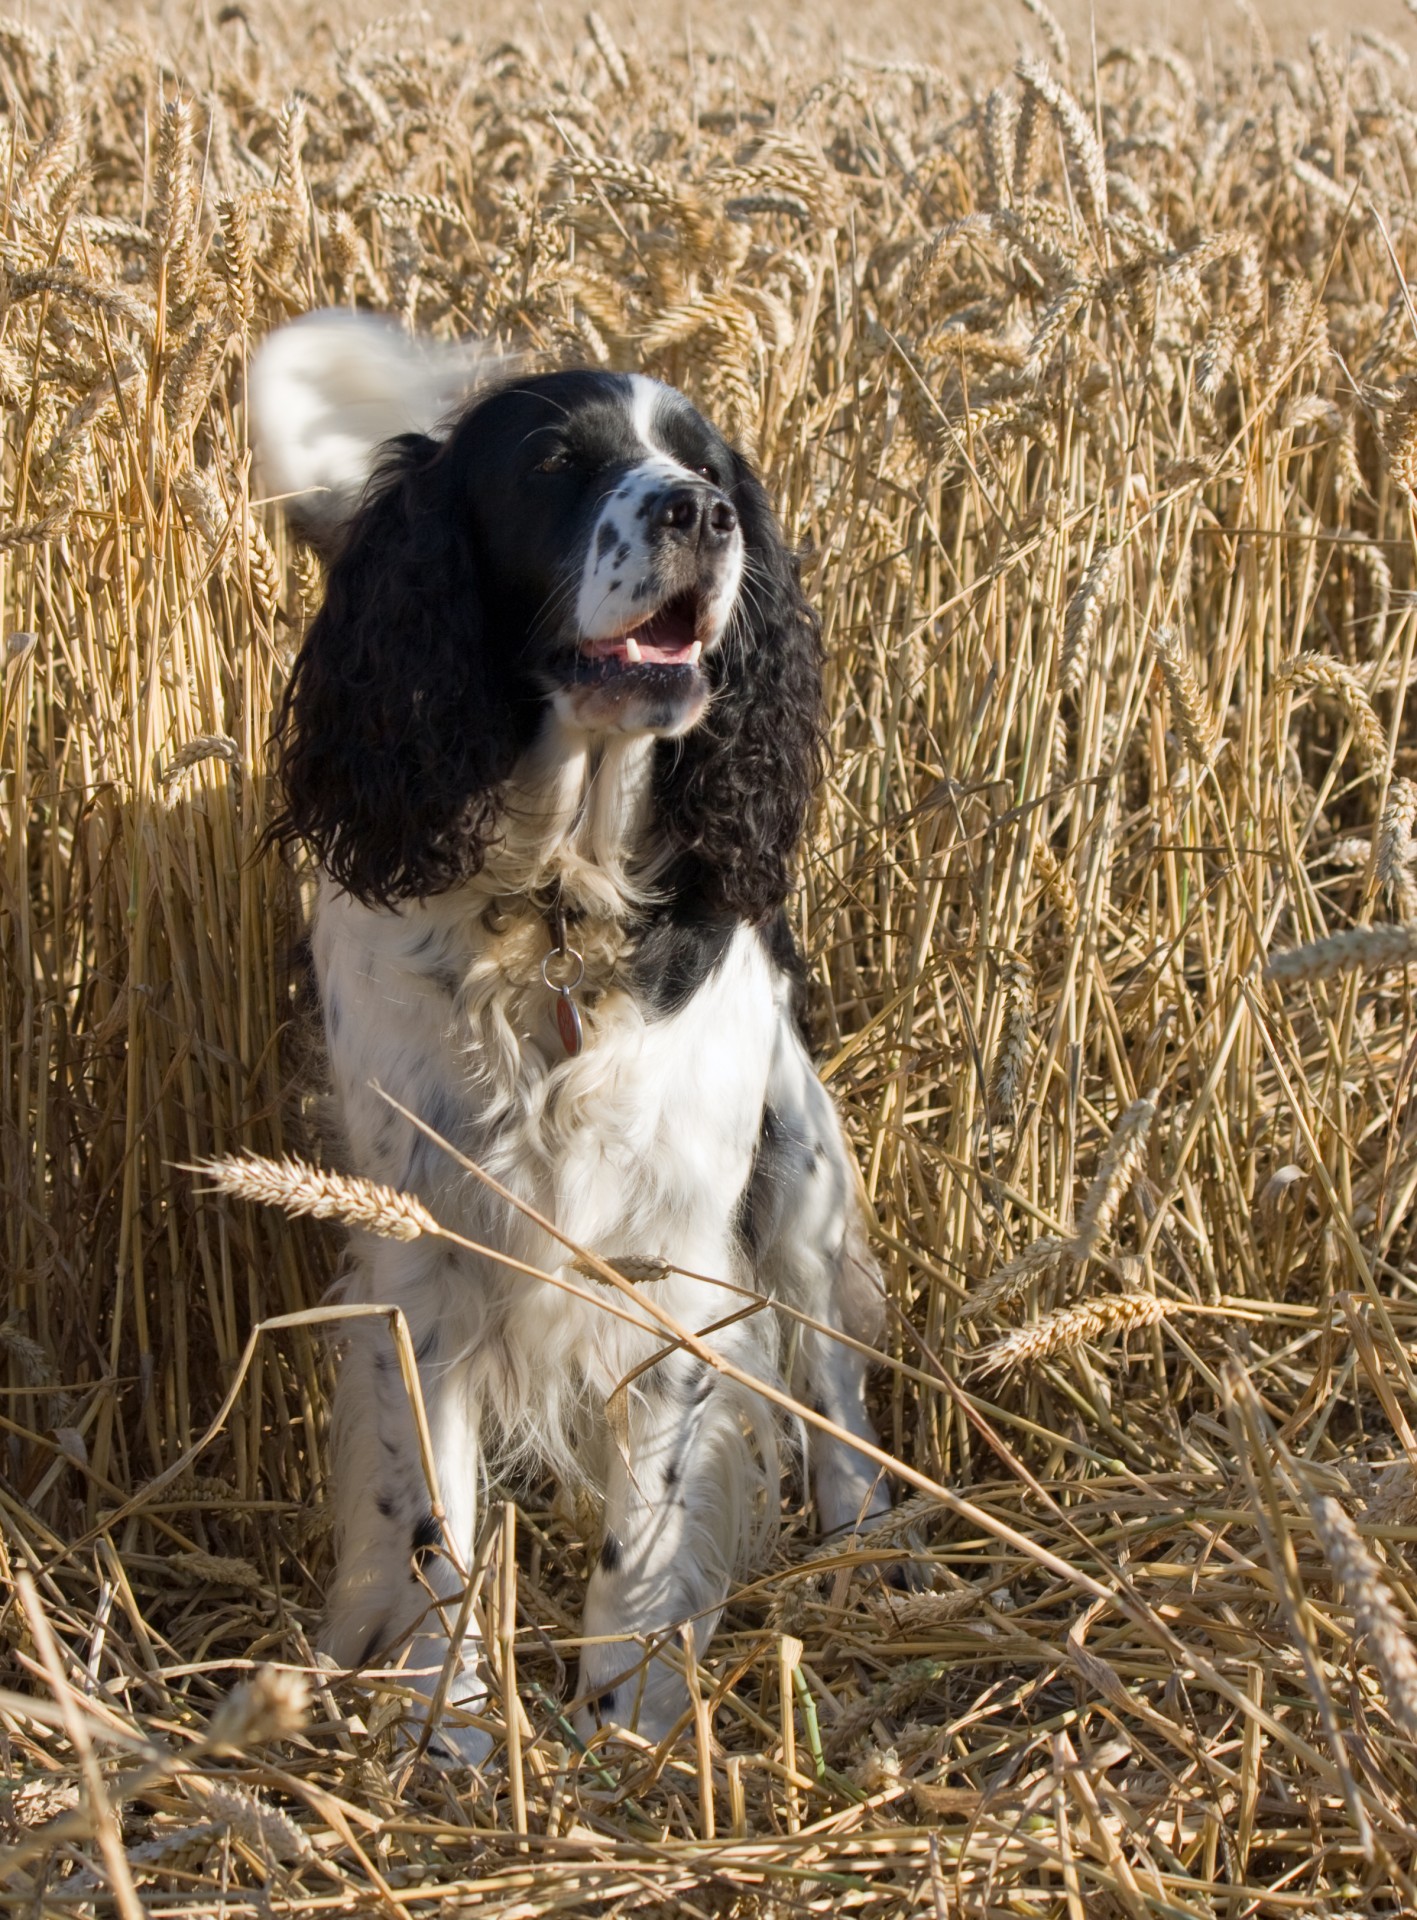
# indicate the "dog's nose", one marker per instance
pixel 722 521
pixel 705 519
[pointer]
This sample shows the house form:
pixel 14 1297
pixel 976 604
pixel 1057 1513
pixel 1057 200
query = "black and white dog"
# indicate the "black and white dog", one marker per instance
pixel 553 738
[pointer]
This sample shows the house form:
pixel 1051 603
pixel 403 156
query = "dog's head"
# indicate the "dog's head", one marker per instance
pixel 582 545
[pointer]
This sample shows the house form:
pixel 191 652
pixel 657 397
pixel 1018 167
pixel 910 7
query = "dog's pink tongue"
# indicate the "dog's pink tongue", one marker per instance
pixel 664 639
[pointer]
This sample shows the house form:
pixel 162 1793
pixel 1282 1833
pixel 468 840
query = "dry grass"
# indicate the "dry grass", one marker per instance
pixel 1092 393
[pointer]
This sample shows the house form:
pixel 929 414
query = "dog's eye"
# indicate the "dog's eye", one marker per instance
pixel 709 474
pixel 557 461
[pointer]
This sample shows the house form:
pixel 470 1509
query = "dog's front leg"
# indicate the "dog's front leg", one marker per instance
pixel 680 1485
pixel 401 1575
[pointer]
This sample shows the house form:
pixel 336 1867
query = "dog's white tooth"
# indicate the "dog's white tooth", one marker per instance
pixel 632 649
pixel 694 653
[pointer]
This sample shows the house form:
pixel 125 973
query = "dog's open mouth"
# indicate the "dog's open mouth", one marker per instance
pixel 668 637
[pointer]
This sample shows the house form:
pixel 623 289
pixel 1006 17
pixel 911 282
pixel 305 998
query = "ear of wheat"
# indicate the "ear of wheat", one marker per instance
pixel 297 1188
pixel 1071 1327
pixel 1340 681
pixel 1117 1169
pixel 1375 1617
pixel 1011 1281
pixel 1356 950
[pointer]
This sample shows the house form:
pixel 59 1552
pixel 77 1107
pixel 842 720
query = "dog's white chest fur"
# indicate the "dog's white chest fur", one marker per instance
pixel 641 1144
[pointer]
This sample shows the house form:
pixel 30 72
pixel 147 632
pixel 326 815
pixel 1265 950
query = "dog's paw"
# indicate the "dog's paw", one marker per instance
pixel 454 1738
pixel 909 1574
pixel 645 1714
pixel 452 1746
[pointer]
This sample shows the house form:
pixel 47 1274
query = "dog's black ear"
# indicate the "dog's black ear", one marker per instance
pixel 735 792
pixel 398 725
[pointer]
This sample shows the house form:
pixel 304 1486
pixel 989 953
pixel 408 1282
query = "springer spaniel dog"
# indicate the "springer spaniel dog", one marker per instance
pixel 552 738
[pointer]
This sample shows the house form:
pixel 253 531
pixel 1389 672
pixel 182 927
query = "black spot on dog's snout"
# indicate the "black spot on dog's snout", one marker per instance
pixel 385 1506
pixel 606 538
pixel 610 1553
pixel 615 586
pixel 605 1703
pixel 623 554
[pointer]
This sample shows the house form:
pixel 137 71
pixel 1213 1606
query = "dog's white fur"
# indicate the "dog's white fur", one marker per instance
pixel 331 387
pixel 639 1146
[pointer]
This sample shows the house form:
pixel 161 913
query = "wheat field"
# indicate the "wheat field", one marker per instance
pixel 1085 375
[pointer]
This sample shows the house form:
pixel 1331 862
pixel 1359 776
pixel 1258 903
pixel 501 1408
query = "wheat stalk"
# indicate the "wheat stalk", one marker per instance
pixel 268 1831
pixel 1355 950
pixel 1195 723
pixel 297 1188
pixel 1342 682
pixel 1084 615
pixel 271 1705
pixel 1395 851
pixel 1375 1617
pixel 1116 1170
pixel 1011 1281
pixel 1079 135
pixel 1071 1327
pixel 1015 1037
pixel 1399 436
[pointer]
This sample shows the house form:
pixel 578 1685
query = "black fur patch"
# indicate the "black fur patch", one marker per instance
pixel 678 951
pixel 427 1537
pixel 610 1553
